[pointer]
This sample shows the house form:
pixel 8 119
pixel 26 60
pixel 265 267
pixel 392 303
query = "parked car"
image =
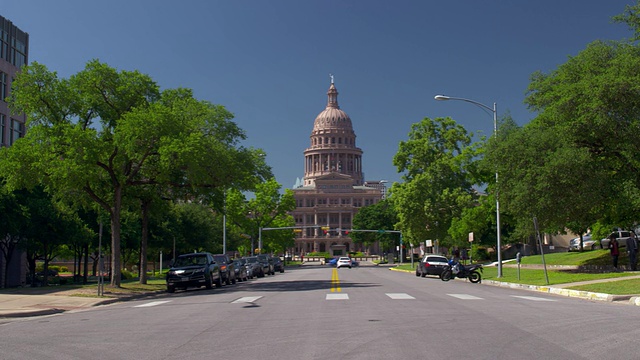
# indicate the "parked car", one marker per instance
pixel 189 270
pixel 587 243
pixel 248 268
pixel 343 261
pixel 332 262
pixel 241 270
pixel 256 267
pixel 278 265
pixel 227 271
pixel 621 236
pixel 267 264
pixel 431 265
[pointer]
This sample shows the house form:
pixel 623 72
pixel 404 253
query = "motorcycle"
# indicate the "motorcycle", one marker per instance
pixel 457 270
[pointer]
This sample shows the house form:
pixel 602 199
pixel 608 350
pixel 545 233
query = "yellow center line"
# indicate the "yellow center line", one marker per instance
pixel 335 281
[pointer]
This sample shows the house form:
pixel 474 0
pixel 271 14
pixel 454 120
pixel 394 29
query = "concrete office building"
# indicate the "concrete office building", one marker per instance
pixel 333 188
pixel 14 53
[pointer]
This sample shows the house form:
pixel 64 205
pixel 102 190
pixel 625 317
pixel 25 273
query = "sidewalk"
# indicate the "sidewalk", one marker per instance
pixel 51 300
pixel 24 305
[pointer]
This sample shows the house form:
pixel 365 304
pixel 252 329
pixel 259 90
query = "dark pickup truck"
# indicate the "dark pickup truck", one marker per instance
pixel 193 270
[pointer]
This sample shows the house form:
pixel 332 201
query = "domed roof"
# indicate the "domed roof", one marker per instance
pixel 332 117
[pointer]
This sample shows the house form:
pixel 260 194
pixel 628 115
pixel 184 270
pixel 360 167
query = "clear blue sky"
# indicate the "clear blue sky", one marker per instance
pixel 268 61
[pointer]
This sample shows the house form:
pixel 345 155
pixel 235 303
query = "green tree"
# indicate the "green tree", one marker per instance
pixel 195 228
pixel 379 216
pixel 267 208
pixel 592 103
pixel 545 176
pixel 437 162
pixel 102 133
pixel 631 17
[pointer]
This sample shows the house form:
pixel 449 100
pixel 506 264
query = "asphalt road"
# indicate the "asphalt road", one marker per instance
pixel 323 313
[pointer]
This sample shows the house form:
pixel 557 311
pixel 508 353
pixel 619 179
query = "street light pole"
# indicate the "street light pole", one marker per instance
pixel 224 222
pixel 494 110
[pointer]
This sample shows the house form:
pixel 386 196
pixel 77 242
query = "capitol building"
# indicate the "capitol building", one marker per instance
pixel 333 188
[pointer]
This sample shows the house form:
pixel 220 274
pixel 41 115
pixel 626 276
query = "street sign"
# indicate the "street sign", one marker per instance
pixel 470 237
pixel 428 243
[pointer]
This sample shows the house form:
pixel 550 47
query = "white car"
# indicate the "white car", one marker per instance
pixel 587 243
pixel 343 261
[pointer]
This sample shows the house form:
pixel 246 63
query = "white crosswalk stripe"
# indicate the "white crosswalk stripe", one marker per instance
pixel 532 298
pixel 337 297
pixel 246 299
pixel 400 296
pixel 465 297
pixel 153 303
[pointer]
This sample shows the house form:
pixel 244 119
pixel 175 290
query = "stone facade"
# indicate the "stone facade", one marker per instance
pixel 333 188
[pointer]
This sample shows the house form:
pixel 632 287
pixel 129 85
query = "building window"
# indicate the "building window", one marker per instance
pixel 3 130
pixel 333 140
pixel 3 86
pixel 16 132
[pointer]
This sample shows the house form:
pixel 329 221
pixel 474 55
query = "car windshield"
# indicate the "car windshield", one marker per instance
pixel 252 260
pixel 190 260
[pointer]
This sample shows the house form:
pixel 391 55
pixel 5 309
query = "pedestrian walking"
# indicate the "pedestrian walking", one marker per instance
pixel 615 250
pixel 632 251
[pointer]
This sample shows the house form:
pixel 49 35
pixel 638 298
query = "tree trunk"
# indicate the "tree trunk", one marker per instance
pixel 143 243
pixel 115 237
pixel 85 274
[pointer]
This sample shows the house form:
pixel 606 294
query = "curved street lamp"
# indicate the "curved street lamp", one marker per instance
pixel 494 110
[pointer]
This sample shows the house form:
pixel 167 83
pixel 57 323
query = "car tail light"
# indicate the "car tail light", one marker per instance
pixel 223 267
pixel 427 264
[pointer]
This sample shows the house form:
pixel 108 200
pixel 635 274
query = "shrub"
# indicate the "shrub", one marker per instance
pixel 126 274
pixel 325 255
pixel 479 253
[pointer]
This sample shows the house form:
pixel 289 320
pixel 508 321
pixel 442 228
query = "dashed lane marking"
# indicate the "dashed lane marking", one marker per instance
pixel 465 297
pixel 246 299
pixel 400 296
pixel 153 303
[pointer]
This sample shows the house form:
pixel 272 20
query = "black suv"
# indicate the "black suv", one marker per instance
pixel 197 269
pixel 278 265
pixel 267 264
pixel 227 269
